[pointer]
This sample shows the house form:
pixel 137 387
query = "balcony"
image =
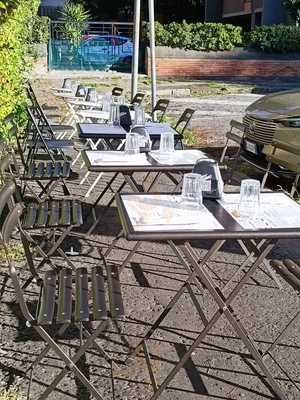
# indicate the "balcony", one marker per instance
pixel 240 7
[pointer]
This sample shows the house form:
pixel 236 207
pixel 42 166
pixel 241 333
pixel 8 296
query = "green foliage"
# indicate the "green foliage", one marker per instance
pixel 293 7
pixel 198 36
pixel 75 21
pixel 15 36
pixel 275 38
pixel 40 29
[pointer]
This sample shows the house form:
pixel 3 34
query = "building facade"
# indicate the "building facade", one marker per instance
pixel 51 8
pixel 246 12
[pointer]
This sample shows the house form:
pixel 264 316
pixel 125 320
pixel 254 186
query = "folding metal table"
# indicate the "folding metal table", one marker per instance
pixel 278 218
pixel 110 133
pixel 117 163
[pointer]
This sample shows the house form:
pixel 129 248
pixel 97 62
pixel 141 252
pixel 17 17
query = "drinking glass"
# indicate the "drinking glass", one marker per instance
pixel 114 116
pixel 191 190
pixel 139 116
pixel 132 145
pixel 106 102
pixel 166 142
pixel 249 198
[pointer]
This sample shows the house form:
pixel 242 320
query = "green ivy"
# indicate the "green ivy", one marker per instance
pixel 198 36
pixel 15 37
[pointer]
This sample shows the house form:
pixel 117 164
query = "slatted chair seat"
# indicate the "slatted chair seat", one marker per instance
pixel 67 298
pixel 52 144
pixel 48 170
pixel 62 128
pixel 62 302
pixel 51 214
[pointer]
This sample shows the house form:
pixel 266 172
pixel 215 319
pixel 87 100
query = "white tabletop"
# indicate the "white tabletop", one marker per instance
pixel 167 213
pixel 108 158
pixel 276 211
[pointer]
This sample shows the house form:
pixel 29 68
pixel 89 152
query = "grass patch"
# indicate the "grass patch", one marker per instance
pixel 11 394
pixel 15 253
pixel 221 89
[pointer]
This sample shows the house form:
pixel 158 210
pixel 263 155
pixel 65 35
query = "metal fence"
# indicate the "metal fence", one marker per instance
pixel 104 46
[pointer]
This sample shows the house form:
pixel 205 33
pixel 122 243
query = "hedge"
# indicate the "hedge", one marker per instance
pixel 275 38
pixel 198 36
pixel 15 38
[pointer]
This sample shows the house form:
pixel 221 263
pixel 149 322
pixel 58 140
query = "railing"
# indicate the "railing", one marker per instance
pixel 96 28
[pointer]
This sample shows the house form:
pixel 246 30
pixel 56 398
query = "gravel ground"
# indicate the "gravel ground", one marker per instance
pixel 220 368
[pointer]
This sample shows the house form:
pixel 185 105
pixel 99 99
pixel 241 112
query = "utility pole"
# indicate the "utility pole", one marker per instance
pixel 136 48
pixel 152 51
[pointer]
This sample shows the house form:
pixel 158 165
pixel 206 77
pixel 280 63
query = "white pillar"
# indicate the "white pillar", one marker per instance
pixel 152 51
pixel 136 48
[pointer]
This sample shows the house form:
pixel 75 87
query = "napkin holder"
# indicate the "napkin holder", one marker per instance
pixel 210 169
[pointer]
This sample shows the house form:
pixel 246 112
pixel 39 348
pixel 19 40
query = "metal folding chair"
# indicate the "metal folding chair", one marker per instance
pixel 137 100
pixel 160 107
pixel 235 134
pixel 50 220
pixel 42 119
pixel 284 153
pixel 289 270
pixel 181 126
pixel 63 300
pixel 117 91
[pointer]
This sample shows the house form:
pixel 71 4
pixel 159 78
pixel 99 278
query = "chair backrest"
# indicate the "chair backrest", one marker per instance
pixel 37 136
pixel 67 83
pixel 161 106
pixel 117 91
pixel 125 117
pixel 81 91
pixel 138 99
pixel 91 95
pixel 184 120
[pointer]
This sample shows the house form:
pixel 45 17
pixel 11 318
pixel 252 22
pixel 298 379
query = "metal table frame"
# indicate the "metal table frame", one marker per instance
pixel 199 276
pixel 127 172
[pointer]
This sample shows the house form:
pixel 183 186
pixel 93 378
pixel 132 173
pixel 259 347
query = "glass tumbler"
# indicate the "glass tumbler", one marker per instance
pixel 249 198
pixel 139 116
pixel 114 116
pixel 166 142
pixel 191 189
pixel 132 145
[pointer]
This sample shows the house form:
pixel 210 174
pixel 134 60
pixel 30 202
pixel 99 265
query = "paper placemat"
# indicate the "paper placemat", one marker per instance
pixel 178 157
pixel 276 211
pixel 112 158
pixel 167 213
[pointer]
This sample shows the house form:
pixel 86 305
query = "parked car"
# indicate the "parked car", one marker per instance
pixel 95 48
pixel 276 115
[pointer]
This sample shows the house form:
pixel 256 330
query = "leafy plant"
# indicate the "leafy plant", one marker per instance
pixel 15 37
pixel 10 394
pixel 40 29
pixel 293 7
pixel 75 22
pixel 275 38
pixel 198 36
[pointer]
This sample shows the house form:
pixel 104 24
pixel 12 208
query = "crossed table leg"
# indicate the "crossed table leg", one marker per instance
pixel 199 277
